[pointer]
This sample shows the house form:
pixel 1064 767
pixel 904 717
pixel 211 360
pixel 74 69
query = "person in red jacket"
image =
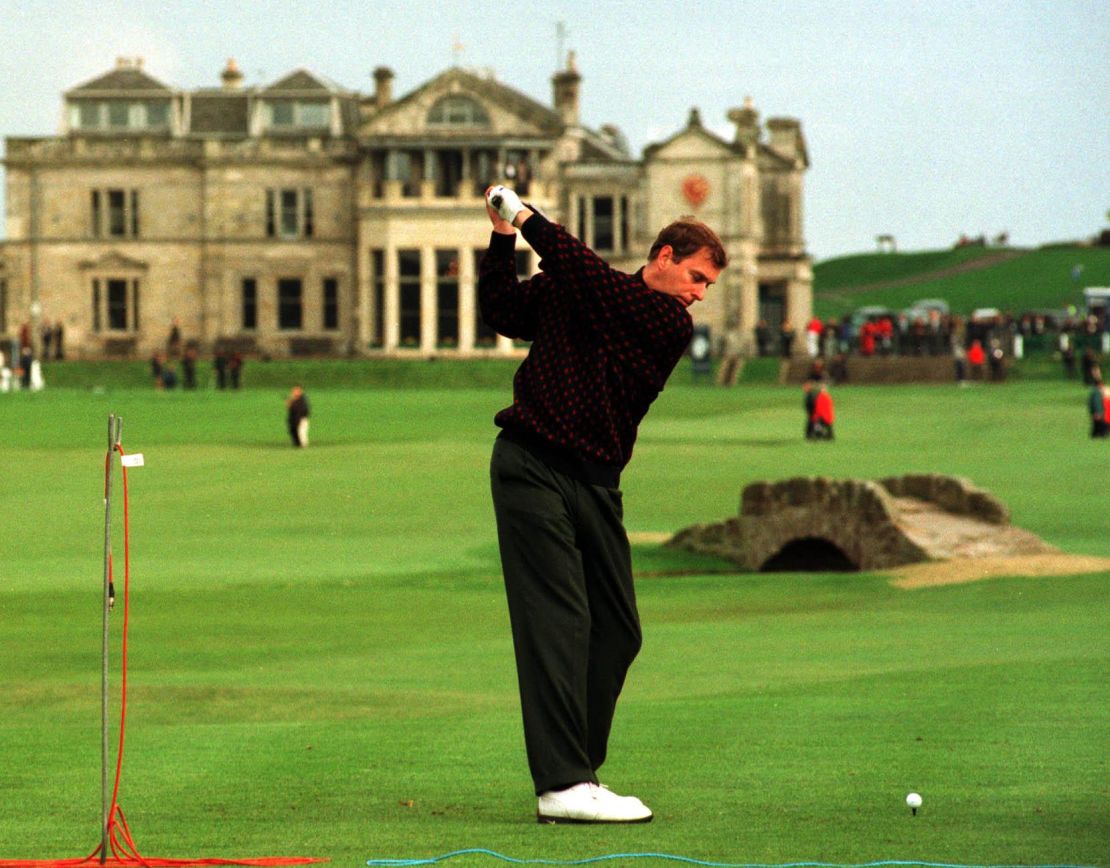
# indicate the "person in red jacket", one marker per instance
pixel 976 357
pixel 867 335
pixel 813 336
pixel 823 414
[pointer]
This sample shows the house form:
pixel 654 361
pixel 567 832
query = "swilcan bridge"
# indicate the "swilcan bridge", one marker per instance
pixel 821 524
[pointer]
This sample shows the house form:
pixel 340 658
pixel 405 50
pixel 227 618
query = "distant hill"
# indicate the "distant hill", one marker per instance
pixel 1010 279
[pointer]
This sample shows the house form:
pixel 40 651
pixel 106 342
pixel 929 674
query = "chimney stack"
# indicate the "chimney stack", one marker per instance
pixel 786 136
pixel 231 76
pixel 747 122
pixel 565 89
pixel 383 87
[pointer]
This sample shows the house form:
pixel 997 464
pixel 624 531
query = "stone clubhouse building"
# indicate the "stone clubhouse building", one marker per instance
pixel 302 218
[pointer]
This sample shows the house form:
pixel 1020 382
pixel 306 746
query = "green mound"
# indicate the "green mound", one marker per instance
pixel 1037 279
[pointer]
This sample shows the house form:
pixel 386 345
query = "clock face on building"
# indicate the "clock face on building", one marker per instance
pixel 696 189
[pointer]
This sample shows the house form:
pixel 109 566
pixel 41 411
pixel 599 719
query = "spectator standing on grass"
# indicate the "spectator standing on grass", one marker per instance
pixel 26 359
pixel 884 335
pixel 1088 365
pixel 813 336
pixel 867 338
pixel 996 359
pixel 173 342
pixel 786 338
pixel 297 416
pixel 845 335
pixel 823 414
pixel 46 336
pixel 809 405
pixel 959 358
pixel 1097 400
pixel 169 376
pixel 220 364
pixel 763 338
pixel 189 366
pixel 157 364
pixel 59 338
pixel 235 368
pixel 976 358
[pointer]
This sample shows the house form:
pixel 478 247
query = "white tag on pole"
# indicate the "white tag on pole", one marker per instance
pixel 135 460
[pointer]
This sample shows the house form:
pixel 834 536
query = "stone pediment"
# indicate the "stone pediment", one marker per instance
pixel 301 82
pixel 691 144
pixel 113 261
pixel 500 111
pixel 122 81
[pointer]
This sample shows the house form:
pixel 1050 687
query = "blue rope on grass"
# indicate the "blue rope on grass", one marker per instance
pixel 408 863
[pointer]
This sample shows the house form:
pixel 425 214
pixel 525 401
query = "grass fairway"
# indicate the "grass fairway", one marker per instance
pixel 321 662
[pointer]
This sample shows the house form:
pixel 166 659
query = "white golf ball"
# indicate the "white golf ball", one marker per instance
pixel 913 800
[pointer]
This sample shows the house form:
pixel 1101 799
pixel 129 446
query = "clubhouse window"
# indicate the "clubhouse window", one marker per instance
pixel 250 303
pixel 331 303
pixel 377 284
pixel 484 335
pixel 408 262
pixel 120 115
pixel 447 297
pixel 114 213
pixel 290 213
pixel 601 226
pixel 298 114
pixel 290 303
pixel 115 304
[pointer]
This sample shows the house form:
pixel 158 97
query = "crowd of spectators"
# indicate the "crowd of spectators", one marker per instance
pixel 933 333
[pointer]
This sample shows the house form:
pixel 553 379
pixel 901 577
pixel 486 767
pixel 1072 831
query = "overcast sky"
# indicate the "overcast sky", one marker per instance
pixel 923 119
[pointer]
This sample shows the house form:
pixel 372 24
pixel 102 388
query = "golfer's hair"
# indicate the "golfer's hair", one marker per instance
pixel 686 236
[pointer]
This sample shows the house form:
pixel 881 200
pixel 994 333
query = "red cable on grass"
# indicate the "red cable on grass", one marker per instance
pixel 125 854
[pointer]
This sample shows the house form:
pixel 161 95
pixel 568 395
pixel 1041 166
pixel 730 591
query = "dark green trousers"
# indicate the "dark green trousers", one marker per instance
pixel 572 605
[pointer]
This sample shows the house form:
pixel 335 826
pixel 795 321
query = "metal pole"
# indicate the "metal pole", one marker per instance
pixel 115 425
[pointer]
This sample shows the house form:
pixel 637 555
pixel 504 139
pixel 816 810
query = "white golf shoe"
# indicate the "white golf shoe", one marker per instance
pixel 590 803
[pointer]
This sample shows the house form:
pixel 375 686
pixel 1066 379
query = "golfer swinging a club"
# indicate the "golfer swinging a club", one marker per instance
pixel 603 345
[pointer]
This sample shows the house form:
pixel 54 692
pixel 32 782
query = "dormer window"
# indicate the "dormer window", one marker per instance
pixel 120 115
pixel 458 111
pixel 291 114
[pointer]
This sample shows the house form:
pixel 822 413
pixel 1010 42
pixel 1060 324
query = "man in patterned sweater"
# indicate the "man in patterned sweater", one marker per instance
pixel 603 344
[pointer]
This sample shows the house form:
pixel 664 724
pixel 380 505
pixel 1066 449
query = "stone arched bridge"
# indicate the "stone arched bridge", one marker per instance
pixel 853 524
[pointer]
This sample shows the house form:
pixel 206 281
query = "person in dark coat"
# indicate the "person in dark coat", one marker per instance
pixel 220 364
pixel 809 404
pixel 189 367
pixel 297 418
pixel 235 368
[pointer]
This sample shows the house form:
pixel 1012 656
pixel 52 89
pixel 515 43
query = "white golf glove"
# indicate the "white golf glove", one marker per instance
pixel 505 202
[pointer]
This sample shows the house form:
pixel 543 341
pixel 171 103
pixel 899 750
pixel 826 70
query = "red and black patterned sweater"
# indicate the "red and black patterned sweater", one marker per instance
pixel 603 345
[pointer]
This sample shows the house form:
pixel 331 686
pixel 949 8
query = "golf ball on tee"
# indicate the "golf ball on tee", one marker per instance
pixel 913 800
